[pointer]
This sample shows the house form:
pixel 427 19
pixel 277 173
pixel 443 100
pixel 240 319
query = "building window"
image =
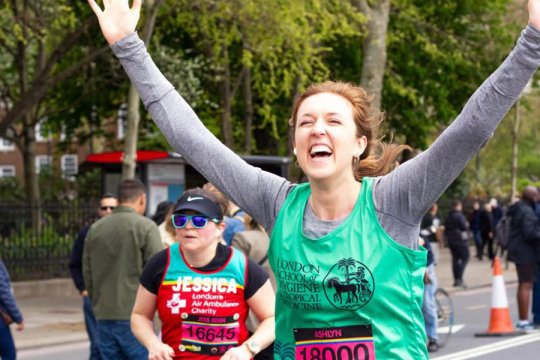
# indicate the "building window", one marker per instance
pixel 70 165
pixel 7 171
pixel 43 163
pixel 6 145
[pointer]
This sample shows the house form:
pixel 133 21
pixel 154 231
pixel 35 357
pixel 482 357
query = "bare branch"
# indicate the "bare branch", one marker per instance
pixel 150 21
pixel 11 51
pixel 69 41
pixel 40 87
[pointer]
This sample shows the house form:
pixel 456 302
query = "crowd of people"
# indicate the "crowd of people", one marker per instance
pixel 333 238
pixel 179 256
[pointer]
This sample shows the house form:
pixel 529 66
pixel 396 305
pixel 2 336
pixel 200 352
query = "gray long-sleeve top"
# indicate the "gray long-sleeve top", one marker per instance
pixel 401 197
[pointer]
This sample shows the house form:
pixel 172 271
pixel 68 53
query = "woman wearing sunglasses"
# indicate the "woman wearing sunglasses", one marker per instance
pixel 344 246
pixel 202 290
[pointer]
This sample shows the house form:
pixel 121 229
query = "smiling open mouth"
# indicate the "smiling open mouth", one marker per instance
pixel 320 151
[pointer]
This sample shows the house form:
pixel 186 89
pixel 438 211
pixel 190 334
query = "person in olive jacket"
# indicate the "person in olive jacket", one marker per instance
pixel 456 230
pixel 524 250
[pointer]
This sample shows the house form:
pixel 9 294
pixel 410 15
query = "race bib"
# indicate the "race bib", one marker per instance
pixel 209 335
pixel 338 343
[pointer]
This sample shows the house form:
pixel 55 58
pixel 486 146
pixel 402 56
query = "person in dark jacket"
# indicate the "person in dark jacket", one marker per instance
pixel 429 228
pixel 162 210
pixel 524 250
pixel 536 289
pixel 496 211
pixel 9 313
pixel 456 231
pixel 486 231
pixel 474 221
pixel 106 205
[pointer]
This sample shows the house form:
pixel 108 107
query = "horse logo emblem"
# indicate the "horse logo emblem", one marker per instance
pixel 349 285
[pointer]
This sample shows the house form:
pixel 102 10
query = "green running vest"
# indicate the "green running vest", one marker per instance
pixel 353 293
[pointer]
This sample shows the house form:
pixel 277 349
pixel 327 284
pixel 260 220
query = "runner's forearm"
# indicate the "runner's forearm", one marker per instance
pixel 406 194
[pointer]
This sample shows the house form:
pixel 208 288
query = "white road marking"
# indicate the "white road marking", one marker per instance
pixel 51 350
pixel 491 348
pixel 455 329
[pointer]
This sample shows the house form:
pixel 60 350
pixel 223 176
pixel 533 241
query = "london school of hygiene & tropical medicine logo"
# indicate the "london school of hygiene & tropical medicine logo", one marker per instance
pixel 349 284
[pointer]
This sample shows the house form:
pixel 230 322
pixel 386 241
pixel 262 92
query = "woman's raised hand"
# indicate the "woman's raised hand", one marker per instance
pixel 534 13
pixel 117 19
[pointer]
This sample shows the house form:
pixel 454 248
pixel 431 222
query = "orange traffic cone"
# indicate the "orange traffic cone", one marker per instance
pixel 500 323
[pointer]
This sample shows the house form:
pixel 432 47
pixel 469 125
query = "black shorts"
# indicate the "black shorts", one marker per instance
pixel 526 273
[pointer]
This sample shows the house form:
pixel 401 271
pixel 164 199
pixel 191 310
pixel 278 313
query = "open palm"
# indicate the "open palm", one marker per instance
pixel 117 19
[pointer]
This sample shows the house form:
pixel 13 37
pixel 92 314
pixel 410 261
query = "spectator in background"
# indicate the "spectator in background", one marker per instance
pixel 524 250
pixel 162 218
pixel 254 242
pixel 496 211
pixel 107 204
pixel 486 231
pixel 474 221
pixel 116 249
pixel 162 210
pixel 428 229
pixel 234 222
pixel 536 287
pixel 456 232
pixel 9 313
pixel 234 216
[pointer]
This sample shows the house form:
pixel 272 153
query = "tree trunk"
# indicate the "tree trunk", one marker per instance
pixel 226 100
pixel 248 109
pixel 374 48
pixel 129 161
pixel 28 142
pixel 31 180
pixel 515 133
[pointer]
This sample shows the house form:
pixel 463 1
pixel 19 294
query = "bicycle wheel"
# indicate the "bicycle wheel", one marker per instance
pixel 445 315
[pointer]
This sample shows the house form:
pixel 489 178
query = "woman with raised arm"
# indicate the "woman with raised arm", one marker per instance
pixel 343 246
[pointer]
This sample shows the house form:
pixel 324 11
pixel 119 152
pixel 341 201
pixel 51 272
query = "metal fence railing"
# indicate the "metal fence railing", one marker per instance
pixel 40 249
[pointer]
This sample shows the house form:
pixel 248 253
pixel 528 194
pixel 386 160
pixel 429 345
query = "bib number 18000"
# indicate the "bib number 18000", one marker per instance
pixel 335 352
pixel 353 342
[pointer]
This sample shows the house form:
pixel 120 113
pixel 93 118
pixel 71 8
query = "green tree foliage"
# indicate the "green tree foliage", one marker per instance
pixel 41 46
pixel 439 53
pixel 493 175
pixel 281 42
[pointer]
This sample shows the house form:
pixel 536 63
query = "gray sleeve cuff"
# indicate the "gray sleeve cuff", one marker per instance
pixel 127 46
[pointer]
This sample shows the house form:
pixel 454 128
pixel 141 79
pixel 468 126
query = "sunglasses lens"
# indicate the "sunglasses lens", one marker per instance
pixel 179 221
pixel 199 221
